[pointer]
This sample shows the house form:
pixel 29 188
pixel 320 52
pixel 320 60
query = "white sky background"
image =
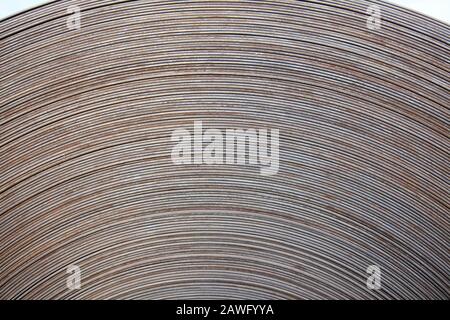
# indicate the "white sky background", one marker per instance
pixel 439 9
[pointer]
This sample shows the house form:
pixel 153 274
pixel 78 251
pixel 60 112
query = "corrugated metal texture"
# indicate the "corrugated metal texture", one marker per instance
pixel 87 179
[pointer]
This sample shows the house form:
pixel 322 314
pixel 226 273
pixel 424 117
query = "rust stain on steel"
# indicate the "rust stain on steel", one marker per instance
pixel 87 179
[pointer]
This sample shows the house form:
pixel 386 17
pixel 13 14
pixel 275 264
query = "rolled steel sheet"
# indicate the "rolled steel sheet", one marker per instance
pixel 87 177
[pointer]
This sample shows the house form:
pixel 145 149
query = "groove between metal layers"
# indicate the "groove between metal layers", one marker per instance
pixel 87 178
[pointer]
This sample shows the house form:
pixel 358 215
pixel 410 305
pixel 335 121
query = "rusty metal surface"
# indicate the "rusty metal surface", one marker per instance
pixel 87 179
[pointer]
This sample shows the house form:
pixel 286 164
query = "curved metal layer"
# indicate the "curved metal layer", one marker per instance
pixel 87 177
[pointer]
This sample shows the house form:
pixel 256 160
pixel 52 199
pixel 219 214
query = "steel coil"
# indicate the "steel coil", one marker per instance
pixel 87 177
